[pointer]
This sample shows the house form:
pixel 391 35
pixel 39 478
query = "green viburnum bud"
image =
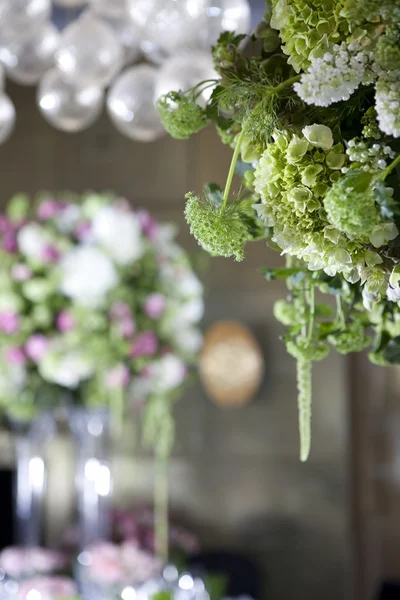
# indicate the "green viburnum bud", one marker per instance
pixel 37 290
pixel 353 339
pixel 387 51
pixel 303 349
pixel 320 136
pixel 181 115
pixel 221 231
pixel 350 204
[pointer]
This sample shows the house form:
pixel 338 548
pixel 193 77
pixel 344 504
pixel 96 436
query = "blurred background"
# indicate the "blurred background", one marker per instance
pixel 327 529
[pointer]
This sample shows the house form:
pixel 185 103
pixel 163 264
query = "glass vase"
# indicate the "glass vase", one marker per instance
pixel 91 431
pixel 31 439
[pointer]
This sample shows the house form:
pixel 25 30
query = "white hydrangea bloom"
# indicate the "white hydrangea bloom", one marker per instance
pixel 335 76
pixel 119 233
pixel 387 103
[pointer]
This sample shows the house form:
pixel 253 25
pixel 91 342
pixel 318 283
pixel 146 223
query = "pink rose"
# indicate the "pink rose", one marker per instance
pixel 148 224
pixel 50 254
pixel 36 347
pixel 83 230
pixel 154 305
pixel 14 355
pixel 21 272
pixel 106 563
pixel 10 242
pixel 118 377
pixel 120 310
pixel 5 224
pixel 48 209
pixel 145 344
pixel 9 322
pixel 65 321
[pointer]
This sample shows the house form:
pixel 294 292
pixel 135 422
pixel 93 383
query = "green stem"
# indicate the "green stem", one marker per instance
pixel 232 168
pixel 161 506
pixel 339 311
pixel 312 315
pixel 288 82
pixel 304 402
pixel 390 168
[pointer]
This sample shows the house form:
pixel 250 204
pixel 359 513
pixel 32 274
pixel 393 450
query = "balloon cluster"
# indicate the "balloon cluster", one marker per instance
pixel 122 52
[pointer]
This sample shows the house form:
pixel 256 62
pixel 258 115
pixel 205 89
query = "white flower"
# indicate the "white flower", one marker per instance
pixel 335 76
pixel 119 233
pixel 188 340
pixel 66 367
pixel 12 379
pixel 191 311
pixel 181 281
pixel 169 373
pixel 32 241
pixel 387 99
pixel 87 275
pixel 67 218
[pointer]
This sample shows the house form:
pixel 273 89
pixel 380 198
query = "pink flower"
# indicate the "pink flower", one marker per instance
pixel 48 209
pixel 21 272
pixel 50 254
pixel 10 242
pixel 148 224
pixel 9 322
pixel 51 588
pixel 120 310
pixel 83 230
pixel 154 305
pixel 36 347
pixel 5 224
pixel 106 565
pixel 65 321
pixel 145 344
pixel 127 327
pixel 118 377
pixel 19 562
pixel 14 355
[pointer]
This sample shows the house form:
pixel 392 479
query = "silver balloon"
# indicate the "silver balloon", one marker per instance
pixel 127 34
pixel 69 3
pixel 169 24
pixel 7 117
pixel 109 8
pixel 181 72
pixel 66 106
pixel 27 58
pixel 130 104
pixel 227 15
pixel 89 52
pixel 16 16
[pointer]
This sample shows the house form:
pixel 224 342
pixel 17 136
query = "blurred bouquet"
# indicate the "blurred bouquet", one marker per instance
pixel 95 298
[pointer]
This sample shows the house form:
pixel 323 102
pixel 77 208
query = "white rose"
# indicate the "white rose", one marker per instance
pixel 87 275
pixel 119 233
pixel 169 373
pixel 188 340
pixel 66 367
pixel 32 240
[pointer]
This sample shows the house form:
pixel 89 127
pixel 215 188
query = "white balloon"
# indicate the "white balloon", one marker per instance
pixel 227 15
pixel 169 24
pixel 7 117
pixel 130 104
pixel 89 52
pixel 27 58
pixel 66 106
pixel 69 3
pixel 182 72
pixel 110 8
pixel 18 15
pixel 127 34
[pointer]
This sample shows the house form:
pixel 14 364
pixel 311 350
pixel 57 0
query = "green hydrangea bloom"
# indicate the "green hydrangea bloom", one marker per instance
pixel 307 28
pixel 288 314
pixel 292 177
pixel 181 115
pixel 352 339
pixel 359 11
pixel 220 230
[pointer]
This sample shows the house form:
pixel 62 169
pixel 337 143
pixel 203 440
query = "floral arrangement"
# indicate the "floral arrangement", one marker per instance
pixel 99 300
pixel 310 101
pixel 48 588
pixel 21 563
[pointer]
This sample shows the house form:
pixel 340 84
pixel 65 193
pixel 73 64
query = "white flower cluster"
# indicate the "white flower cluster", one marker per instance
pixel 387 102
pixel 335 76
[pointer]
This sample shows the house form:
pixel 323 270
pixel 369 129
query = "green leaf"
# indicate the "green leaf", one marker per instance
pixel 284 273
pixel 391 352
pixel 18 207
